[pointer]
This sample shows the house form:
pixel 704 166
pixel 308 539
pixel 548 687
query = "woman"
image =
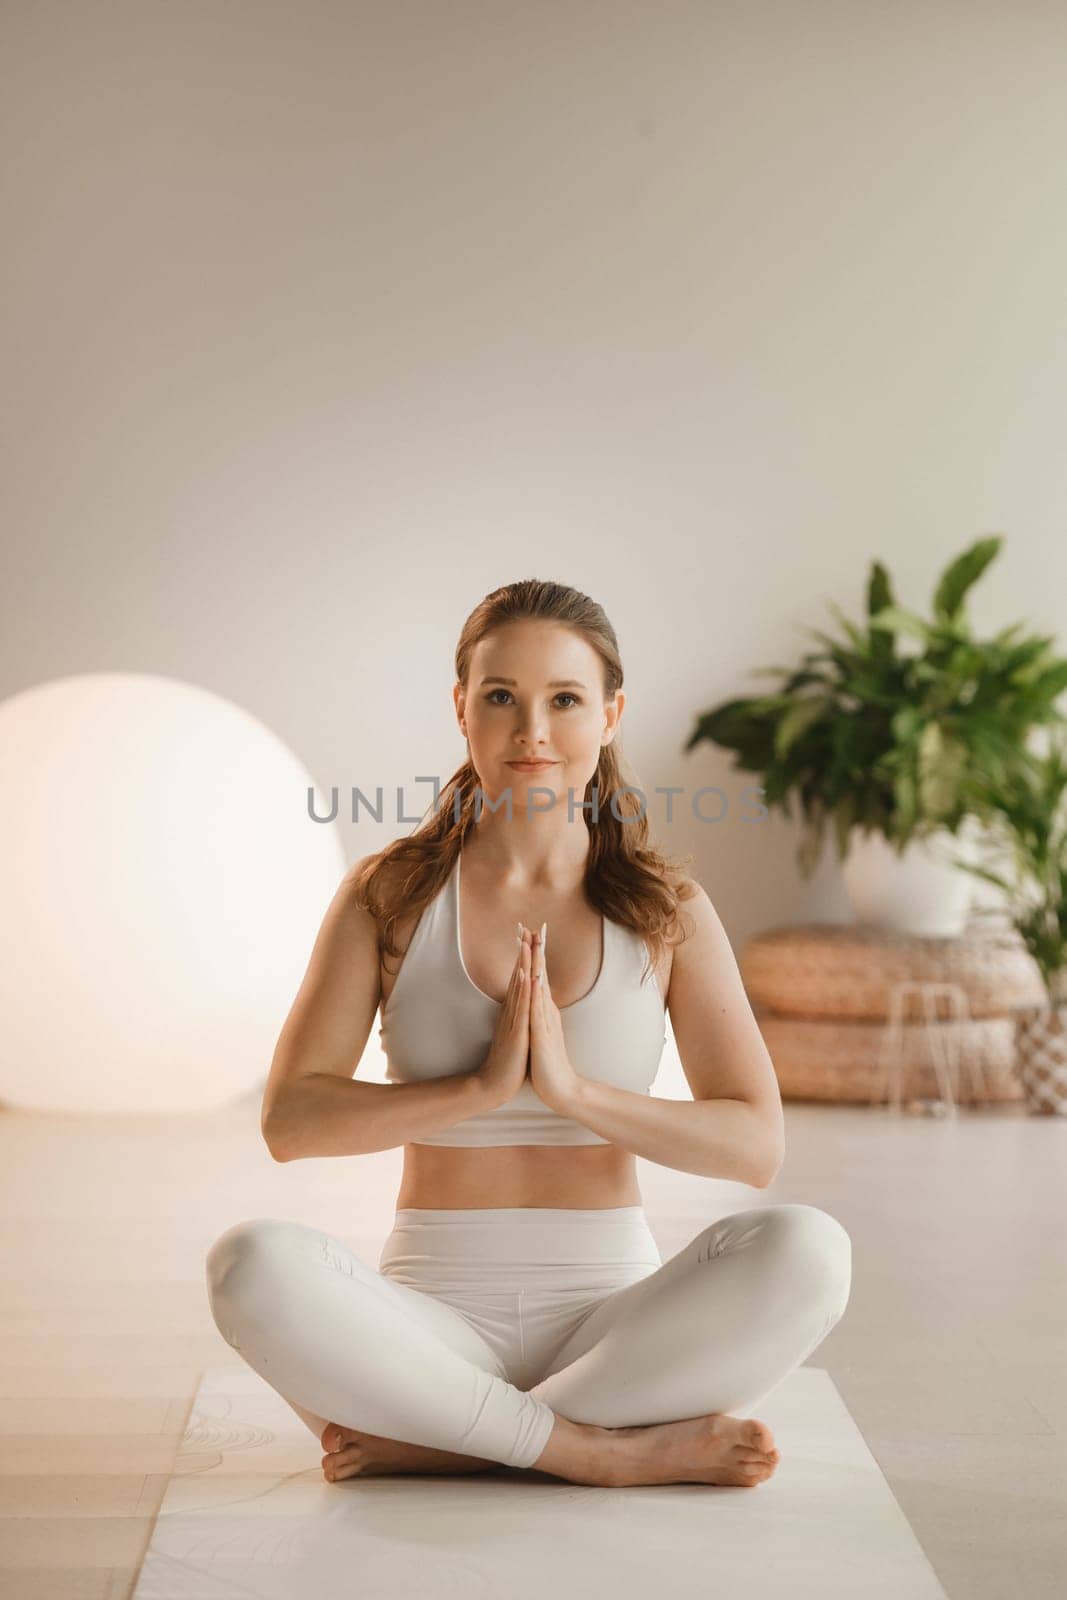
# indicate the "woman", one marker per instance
pixel 520 1313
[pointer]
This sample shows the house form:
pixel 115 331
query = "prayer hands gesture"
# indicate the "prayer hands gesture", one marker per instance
pixel 528 1044
pixel 551 1073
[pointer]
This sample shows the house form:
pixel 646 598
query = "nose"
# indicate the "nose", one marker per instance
pixel 529 736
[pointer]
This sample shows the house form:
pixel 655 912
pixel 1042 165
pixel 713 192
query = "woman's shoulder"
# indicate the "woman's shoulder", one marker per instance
pixel 682 886
pixel 691 901
pixel 357 873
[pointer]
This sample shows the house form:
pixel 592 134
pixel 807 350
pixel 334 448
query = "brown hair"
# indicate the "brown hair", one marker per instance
pixel 627 879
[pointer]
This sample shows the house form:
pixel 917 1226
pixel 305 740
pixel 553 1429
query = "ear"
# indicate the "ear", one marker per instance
pixel 613 714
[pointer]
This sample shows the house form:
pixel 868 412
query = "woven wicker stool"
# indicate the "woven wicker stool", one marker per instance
pixel 832 1002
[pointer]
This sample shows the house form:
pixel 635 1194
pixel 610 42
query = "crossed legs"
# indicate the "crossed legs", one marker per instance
pixel 711 1331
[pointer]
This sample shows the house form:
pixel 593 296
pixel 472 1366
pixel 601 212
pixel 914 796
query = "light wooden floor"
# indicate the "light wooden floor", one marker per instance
pixel 951 1356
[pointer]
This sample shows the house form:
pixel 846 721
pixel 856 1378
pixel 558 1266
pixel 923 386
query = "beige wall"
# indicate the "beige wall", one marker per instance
pixel 322 320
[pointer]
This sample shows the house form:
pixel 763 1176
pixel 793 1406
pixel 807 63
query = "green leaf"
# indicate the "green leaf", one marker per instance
pixel 845 815
pixel 897 619
pixel 986 873
pixel 960 574
pixel 906 798
pixel 810 847
pixel 796 721
pixel 942 766
pixel 859 638
pixel 739 725
pixel 907 724
pixel 879 597
pixel 879 589
pixel 1051 683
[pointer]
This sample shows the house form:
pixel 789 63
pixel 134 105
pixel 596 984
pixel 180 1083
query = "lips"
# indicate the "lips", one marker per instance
pixel 530 766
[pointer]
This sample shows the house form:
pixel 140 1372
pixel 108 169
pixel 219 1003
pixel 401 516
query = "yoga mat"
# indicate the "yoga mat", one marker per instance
pixel 247 1513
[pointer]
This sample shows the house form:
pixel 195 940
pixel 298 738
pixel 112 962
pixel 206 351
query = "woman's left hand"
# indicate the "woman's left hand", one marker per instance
pixel 551 1073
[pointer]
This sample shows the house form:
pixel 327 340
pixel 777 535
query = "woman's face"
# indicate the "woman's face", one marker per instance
pixel 552 709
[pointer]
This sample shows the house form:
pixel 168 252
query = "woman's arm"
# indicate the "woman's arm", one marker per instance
pixel 312 1103
pixel 323 1114
pixel 715 1138
pixel 734 1126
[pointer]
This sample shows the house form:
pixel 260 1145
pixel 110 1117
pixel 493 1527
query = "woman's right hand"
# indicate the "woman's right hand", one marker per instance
pixel 507 1064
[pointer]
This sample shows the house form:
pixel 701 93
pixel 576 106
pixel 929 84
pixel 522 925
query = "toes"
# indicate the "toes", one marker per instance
pixel 758 1436
pixel 336 1460
pixel 337 1438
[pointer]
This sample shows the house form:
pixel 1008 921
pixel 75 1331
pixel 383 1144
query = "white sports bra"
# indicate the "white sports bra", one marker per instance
pixel 437 1023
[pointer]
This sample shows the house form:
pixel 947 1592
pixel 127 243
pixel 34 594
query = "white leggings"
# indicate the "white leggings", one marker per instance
pixel 479 1327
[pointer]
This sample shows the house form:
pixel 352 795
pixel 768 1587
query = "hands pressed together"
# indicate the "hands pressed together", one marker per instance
pixel 528 1044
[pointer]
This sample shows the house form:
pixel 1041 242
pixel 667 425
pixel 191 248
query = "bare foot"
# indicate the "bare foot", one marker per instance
pixel 711 1449
pixel 352 1453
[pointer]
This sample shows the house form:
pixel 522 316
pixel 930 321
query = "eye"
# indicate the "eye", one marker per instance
pixel 564 694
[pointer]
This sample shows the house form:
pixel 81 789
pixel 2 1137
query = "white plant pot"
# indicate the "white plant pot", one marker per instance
pixel 918 891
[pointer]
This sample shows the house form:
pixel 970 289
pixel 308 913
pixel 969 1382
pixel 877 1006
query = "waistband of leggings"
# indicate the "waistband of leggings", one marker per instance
pixel 538 1243
pixel 425 1216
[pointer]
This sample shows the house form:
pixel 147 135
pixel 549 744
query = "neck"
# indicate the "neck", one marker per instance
pixel 555 863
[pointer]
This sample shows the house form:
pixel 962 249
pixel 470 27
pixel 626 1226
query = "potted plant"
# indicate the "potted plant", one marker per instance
pixel 881 734
pixel 1026 818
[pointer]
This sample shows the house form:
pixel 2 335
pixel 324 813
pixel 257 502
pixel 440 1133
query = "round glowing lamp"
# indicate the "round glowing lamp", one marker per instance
pixel 162 881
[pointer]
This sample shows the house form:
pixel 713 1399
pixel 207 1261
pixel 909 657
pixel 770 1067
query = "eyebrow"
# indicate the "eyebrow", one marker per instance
pixel 557 683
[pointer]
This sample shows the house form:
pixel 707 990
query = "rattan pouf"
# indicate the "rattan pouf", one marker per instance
pixel 817 1059
pixel 837 969
pixel 822 994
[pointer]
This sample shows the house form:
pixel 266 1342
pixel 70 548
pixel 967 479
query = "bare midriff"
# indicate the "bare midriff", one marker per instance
pixel 573 1176
pixel 455 1177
